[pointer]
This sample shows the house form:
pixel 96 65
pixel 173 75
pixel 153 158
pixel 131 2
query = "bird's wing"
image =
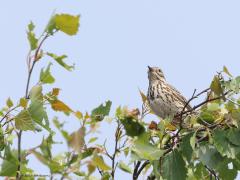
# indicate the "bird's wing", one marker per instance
pixel 180 97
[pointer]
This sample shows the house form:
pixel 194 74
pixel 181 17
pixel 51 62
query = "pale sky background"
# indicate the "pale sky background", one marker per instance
pixel 189 40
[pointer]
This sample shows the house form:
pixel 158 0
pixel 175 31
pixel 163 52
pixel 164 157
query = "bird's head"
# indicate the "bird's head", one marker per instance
pixel 155 74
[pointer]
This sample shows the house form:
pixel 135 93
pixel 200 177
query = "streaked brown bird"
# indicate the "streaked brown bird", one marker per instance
pixel 164 100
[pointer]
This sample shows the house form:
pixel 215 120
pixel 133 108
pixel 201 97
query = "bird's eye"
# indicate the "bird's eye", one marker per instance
pixel 159 70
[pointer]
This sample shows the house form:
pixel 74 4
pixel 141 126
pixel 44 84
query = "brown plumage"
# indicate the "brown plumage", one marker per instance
pixel 164 100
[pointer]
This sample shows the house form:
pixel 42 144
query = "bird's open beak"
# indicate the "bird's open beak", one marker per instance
pixel 149 68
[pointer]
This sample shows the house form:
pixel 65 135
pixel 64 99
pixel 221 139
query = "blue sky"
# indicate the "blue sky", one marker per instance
pixel 189 40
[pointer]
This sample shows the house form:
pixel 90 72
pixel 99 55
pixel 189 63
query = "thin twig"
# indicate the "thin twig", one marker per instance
pixel 116 150
pixel 8 121
pixel 139 170
pixel 233 102
pixel 212 173
pixel 204 102
pixel 19 134
pixel 106 151
pixel 5 116
pixel 135 172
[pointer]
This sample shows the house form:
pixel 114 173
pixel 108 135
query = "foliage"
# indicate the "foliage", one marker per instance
pixel 204 145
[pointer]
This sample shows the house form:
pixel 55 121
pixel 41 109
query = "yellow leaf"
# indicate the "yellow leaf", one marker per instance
pixel 216 86
pixel 169 126
pixel 226 71
pixel 9 103
pixel 55 91
pixel 58 105
pixel 143 96
pixel 86 116
pixel 91 168
pixel 78 114
pixel 23 103
pixel 99 162
pixel 67 23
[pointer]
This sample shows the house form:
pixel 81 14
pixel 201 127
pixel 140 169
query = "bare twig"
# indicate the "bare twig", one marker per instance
pixel 204 102
pixel 9 111
pixel 106 151
pixel 212 173
pixel 135 172
pixel 8 121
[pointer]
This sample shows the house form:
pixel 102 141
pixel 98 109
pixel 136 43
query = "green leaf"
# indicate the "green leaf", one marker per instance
pixel 186 147
pixel 212 106
pixel 132 126
pixel 30 172
pixel 209 156
pixel 200 171
pixel 73 159
pixel 99 162
pixel 9 168
pixel 60 60
pixel 9 103
pixel 36 93
pixel 56 166
pixel 46 76
pixel 233 136
pixel 216 86
pixel 51 26
pixel 193 141
pixel 124 167
pixel 173 166
pixel 67 23
pixel 225 172
pixel 31 26
pixel 23 102
pixel 226 71
pixel 205 116
pixel 39 114
pixel 33 41
pixel 101 111
pixel 23 121
pixel 223 145
pixel 156 169
pixel 144 150
pixel 46 146
pixel 106 176
pixel 234 84
pixel 87 152
pixel 10 163
pixel 93 139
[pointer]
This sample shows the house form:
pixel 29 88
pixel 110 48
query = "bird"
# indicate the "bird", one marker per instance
pixel 164 100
